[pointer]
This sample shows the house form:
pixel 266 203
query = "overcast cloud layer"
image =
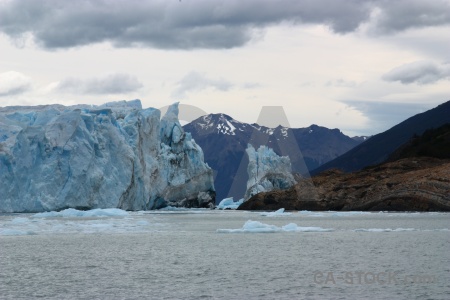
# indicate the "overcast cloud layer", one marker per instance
pixel 422 72
pixel 13 83
pixel 111 84
pixel 387 114
pixel 195 81
pixel 357 65
pixel 173 24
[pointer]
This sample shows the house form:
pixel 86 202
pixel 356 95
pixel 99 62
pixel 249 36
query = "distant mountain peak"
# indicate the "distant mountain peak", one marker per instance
pixel 224 140
pixel 226 128
pixel 219 123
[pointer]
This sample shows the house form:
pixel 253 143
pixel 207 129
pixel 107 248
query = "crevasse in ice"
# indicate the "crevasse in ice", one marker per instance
pixel 116 155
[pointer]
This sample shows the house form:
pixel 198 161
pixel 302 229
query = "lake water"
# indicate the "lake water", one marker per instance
pixel 207 254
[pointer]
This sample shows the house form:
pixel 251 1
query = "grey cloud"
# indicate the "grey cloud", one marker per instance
pixel 384 115
pixel 423 72
pixel 341 83
pixel 13 83
pixel 15 90
pixel 195 81
pixel 251 85
pixel 401 15
pixel 171 24
pixel 111 84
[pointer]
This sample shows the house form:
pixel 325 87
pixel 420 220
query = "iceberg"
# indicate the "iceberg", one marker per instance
pixel 229 203
pixel 267 171
pixel 115 155
pixel 252 227
pixel 276 213
pixel 292 227
pixel 7 232
pixel 383 229
pixel 74 213
pixel 258 227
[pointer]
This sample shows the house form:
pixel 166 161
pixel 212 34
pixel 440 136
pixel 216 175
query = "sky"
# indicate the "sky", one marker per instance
pixel 358 65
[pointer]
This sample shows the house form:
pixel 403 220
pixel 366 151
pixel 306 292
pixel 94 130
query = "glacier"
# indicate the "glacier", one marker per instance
pixel 267 171
pixel 116 155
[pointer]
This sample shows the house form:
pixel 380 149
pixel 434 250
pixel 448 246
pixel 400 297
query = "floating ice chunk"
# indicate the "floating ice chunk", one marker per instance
pixel 229 203
pixel 20 220
pixel 350 213
pixel 106 212
pixel 142 223
pixel 175 210
pixel 309 213
pixel 258 227
pixel 404 229
pixel 225 202
pixel 252 226
pixel 72 213
pixel 292 227
pixel 8 231
pixel 383 229
pixel 276 213
pixel 172 208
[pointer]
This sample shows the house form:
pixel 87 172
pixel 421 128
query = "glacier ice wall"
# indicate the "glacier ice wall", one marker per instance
pixel 267 171
pixel 116 155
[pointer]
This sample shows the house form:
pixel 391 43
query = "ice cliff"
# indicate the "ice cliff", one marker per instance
pixel 116 155
pixel 267 171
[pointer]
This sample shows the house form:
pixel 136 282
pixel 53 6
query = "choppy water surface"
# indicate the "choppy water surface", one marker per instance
pixel 220 255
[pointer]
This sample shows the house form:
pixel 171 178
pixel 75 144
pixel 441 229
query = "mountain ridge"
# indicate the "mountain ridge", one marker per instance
pixel 378 148
pixel 224 140
pixel 415 177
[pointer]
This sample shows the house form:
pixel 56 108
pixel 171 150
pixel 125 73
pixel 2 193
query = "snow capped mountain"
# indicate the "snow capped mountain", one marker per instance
pixel 224 124
pixel 220 124
pixel 224 140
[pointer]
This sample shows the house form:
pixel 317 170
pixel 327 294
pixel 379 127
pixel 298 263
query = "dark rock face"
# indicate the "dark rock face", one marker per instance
pixel 416 177
pixel 410 184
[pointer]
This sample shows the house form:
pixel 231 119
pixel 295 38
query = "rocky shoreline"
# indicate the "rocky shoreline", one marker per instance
pixel 409 184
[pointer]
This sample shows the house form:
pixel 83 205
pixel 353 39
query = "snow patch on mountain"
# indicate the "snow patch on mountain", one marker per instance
pixel 226 127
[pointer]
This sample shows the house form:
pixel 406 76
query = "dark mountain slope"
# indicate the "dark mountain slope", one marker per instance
pixel 432 143
pixel 378 148
pixel 416 178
